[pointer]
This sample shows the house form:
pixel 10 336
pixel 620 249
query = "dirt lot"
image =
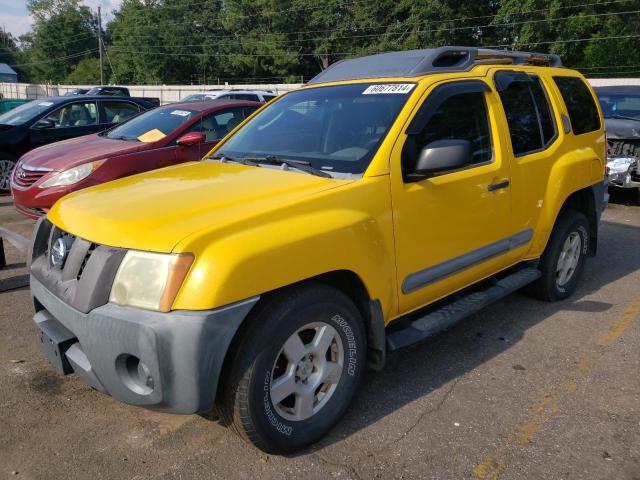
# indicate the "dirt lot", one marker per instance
pixel 522 390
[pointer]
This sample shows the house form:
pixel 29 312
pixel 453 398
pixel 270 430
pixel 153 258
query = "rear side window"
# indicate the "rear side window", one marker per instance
pixel 581 107
pixel 528 112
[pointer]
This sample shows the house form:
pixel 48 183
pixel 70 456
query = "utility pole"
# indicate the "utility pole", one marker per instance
pixel 100 45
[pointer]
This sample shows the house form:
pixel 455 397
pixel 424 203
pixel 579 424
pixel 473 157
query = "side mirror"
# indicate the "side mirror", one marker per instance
pixel 439 156
pixel 190 139
pixel 44 124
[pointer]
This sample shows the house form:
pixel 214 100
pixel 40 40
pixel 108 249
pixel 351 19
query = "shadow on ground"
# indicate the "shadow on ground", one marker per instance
pixel 422 368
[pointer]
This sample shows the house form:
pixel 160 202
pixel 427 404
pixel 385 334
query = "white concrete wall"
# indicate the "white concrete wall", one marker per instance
pixel 173 93
pixel 166 93
pixel 605 82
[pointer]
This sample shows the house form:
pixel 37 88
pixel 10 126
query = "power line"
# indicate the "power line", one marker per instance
pixel 67 57
pixel 541 10
pixel 294 42
pixel 200 54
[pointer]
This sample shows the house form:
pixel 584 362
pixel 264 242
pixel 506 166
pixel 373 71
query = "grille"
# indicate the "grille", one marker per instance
pixel 25 177
pixel 624 148
pixel 85 260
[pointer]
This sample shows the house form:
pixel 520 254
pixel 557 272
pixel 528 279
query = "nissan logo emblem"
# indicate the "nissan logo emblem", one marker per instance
pixel 59 252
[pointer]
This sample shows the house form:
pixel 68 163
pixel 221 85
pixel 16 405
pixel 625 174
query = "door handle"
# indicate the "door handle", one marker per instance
pixel 497 186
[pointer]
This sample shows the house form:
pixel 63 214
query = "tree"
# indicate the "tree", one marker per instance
pixel 64 33
pixel 85 72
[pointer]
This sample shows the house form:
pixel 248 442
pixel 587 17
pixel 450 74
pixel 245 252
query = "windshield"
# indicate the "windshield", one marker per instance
pixel 25 113
pixel 196 97
pixel 627 105
pixel 336 128
pixel 152 125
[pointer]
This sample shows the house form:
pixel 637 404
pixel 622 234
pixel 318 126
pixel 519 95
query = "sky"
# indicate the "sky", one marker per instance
pixel 15 19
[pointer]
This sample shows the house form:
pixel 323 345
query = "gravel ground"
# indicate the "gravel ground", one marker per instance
pixel 522 390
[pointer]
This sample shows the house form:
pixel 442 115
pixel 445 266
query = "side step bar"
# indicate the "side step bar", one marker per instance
pixel 445 317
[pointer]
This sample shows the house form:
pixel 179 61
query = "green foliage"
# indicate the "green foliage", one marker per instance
pixel 254 41
pixel 85 72
pixel 64 33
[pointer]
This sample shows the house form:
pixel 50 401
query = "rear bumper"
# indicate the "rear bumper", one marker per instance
pixel 164 361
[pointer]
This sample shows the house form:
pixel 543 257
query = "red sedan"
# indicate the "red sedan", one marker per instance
pixel 168 135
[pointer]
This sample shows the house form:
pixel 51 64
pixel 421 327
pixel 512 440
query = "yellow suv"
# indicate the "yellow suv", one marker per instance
pixel 262 280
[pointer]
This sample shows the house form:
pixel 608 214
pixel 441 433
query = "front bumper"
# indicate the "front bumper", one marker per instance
pixel 165 361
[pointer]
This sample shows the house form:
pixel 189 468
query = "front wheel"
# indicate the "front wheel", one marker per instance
pixel 563 260
pixel 295 369
pixel 7 165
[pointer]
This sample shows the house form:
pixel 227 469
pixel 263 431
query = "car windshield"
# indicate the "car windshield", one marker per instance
pixel 196 97
pixel 153 125
pixel 25 113
pixel 335 128
pixel 626 105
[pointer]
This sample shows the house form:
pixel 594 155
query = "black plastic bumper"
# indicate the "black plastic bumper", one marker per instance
pixel 165 361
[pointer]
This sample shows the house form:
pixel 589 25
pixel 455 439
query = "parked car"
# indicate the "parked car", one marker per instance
pixel 621 109
pixel 262 96
pixel 390 197
pixel 76 91
pixel 158 138
pixel 111 91
pixel 52 119
pixel 7 104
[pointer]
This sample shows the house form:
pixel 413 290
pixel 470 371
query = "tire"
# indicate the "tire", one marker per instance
pixel 7 164
pixel 563 260
pixel 255 400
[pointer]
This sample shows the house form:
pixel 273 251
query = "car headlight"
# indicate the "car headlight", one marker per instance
pixel 73 175
pixel 150 280
pixel 620 165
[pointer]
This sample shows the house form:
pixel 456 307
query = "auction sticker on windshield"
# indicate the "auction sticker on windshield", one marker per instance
pixel 401 88
pixel 181 113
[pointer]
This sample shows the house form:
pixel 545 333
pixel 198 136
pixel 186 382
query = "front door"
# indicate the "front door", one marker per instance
pixel 69 121
pixel 453 228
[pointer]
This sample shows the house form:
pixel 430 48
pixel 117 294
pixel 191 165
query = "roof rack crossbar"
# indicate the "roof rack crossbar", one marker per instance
pixel 412 63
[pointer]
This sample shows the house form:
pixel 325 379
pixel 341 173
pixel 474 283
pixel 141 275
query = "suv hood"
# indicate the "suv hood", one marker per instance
pixel 155 210
pixel 76 151
pixel 621 129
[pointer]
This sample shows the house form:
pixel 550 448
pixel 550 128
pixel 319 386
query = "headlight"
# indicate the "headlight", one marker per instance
pixel 150 280
pixel 620 164
pixel 73 175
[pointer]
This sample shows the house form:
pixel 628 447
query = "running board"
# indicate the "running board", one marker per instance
pixel 448 315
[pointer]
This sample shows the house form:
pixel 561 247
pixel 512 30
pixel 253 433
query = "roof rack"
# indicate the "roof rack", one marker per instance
pixel 413 63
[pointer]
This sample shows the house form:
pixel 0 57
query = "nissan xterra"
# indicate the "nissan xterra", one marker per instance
pixel 390 197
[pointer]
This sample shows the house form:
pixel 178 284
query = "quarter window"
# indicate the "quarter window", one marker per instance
pixel 581 107
pixel 462 117
pixel 528 112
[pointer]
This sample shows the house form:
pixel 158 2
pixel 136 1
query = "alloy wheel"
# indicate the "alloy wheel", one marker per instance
pixel 307 370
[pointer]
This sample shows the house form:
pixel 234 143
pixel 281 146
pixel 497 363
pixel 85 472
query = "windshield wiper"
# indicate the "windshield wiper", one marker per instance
pixel 622 117
pixel 273 160
pixel 297 164
pixel 123 137
pixel 227 158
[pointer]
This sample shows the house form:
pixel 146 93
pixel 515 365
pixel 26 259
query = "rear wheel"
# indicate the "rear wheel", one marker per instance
pixel 295 369
pixel 7 164
pixel 563 259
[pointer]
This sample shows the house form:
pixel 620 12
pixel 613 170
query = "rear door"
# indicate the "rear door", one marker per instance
pixel 533 142
pixel 69 121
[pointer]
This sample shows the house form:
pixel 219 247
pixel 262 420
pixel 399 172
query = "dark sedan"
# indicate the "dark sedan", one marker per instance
pixel 168 135
pixel 52 119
